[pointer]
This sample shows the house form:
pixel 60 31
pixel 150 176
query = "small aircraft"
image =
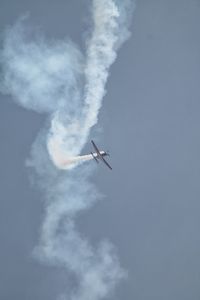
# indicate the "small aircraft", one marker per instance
pixel 99 155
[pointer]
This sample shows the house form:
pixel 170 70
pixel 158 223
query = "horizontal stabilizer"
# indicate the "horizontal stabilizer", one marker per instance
pixel 94 157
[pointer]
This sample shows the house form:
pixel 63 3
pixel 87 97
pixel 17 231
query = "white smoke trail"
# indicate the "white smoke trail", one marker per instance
pixel 55 78
pixel 110 31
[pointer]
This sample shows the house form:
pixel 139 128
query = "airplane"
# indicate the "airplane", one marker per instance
pixel 99 155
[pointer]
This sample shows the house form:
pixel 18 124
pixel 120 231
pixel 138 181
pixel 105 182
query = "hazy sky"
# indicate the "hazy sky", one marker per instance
pixel 151 126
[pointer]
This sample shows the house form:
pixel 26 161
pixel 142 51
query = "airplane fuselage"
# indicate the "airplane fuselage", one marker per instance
pixel 103 153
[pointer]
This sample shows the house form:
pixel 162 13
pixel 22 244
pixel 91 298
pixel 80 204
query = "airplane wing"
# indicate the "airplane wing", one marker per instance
pixel 105 162
pixel 95 147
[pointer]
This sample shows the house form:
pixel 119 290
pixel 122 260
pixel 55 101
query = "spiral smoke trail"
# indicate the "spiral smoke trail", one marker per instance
pixel 57 79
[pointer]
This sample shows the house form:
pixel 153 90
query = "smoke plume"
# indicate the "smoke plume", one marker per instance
pixel 55 78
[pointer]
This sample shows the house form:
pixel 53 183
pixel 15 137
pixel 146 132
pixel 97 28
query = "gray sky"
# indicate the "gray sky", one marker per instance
pixel 151 126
